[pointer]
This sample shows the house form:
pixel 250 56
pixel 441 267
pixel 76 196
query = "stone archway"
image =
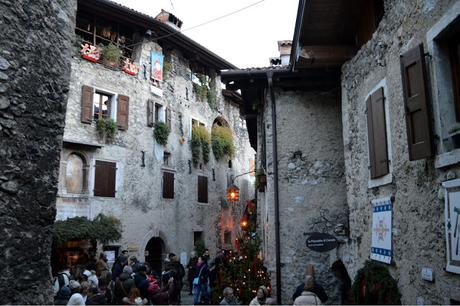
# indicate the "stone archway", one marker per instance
pixel 153 253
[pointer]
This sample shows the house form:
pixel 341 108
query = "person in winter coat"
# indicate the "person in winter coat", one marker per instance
pixel 229 297
pixel 123 285
pixel 261 297
pixel 191 266
pixel 161 296
pixel 200 282
pixel 317 288
pixel 62 296
pixel 308 297
pixel 101 264
pixel 118 266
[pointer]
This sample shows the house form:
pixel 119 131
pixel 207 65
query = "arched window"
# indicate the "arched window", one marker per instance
pixel 75 175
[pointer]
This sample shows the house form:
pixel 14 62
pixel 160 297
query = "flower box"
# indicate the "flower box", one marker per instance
pixel 130 72
pixel 89 57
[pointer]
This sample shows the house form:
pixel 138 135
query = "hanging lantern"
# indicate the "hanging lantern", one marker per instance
pixel 233 194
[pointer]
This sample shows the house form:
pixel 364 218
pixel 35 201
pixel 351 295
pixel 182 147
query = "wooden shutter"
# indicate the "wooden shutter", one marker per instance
pixel 87 93
pixel 418 119
pixel 202 189
pixel 168 118
pixel 104 179
pixel 122 112
pixel 150 113
pixel 168 185
pixel 376 127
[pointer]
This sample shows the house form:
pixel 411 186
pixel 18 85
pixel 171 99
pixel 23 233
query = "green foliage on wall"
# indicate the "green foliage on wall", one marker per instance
pixel 161 133
pixel 222 142
pixel 103 228
pixel 374 285
pixel 166 69
pixel 106 127
pixel 111 53
pixel 200 144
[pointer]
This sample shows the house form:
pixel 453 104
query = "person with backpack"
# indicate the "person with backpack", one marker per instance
pixel 62 279
pixel 200 282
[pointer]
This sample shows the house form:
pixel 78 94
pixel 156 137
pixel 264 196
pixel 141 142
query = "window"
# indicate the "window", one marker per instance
pixel 166 158
pixel 197 236
pixel 104 179
pixel 75 177
pixel 158 109
pixel 97 104
pixel 168 185
pixel 202 189
pixel 379 137
pixel 102 105
pixel 443 46
pixel 227 237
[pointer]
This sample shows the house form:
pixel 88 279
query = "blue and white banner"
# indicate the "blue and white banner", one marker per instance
pixel 381 249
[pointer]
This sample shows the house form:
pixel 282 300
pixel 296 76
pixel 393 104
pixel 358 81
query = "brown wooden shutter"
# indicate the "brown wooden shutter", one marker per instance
pixel 202 189
pixel 376 125
pixel 168 185
pixel 87 93
pixel 150 113
pixel 168 118
pixel 104 179
pixel 418 117
pixel 122 112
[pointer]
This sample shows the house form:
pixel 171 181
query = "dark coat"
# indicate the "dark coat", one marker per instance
pixel 204 276
pixel 162 296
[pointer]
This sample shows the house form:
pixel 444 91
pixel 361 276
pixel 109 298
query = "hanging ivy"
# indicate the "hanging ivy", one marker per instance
pixel 200 145
pixel 222 142
pixel 103 228
pixel 106 127
pixel 161 133
pixel 374 285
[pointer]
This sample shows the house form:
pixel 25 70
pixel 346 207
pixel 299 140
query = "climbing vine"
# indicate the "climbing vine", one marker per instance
pixel 222 142
pixel 200 145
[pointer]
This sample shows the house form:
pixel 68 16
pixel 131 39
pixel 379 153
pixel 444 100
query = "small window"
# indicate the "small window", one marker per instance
pixel 168 185
pixel 166 158
pixel 197 236
pixel 102 105
pixel 230 164
pixel 228 237
pixel 104 179
pixel 202 189
pixel 158 108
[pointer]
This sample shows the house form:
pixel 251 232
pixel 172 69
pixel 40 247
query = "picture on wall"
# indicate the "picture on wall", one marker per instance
pixel 452 226
pixel 157 66
pixel 381 246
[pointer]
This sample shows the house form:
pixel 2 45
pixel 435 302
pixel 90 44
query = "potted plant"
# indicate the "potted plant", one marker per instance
pixel 130 68
pixel 107 128
pixel 111 55
pixel 161 133
pixel 90 52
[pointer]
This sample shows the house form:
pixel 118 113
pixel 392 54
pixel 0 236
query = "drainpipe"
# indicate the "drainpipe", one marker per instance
pixel 276 189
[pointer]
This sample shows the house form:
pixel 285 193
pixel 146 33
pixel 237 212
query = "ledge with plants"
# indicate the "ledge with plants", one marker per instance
pixel 200 145
pixel 222 142
pixel 106 128
pixel 161 133
pixel 103 228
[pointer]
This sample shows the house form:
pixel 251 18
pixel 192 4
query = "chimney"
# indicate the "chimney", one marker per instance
pixel 169 19
pixel 284 47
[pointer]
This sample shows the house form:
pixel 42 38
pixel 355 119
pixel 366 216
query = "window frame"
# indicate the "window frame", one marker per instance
pixel 387 178
pixel 444 110
pixel 112 110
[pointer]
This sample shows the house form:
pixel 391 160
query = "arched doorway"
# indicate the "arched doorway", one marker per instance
pixel 154 254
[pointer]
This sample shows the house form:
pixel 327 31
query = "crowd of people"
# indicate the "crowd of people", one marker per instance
pixel 130 282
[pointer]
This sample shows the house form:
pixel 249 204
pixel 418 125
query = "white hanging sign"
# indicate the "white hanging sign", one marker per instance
pixel 452 225
pixel 381 246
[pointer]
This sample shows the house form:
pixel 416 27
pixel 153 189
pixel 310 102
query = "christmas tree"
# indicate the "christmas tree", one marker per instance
pixel 242 269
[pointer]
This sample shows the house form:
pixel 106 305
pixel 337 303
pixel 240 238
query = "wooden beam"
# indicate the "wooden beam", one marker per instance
pixel 327 54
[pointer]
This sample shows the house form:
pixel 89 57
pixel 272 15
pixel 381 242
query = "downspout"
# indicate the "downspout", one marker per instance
pixel 276 188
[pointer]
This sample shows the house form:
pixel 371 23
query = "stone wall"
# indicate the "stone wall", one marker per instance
pixel 311 185
pixel 139 203
pixel 34 81
pixel 418 217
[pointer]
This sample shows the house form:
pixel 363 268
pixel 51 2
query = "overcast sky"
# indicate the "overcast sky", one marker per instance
pixel 246 39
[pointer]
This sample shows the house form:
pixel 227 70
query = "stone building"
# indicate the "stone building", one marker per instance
pixel 164 201
pixel 399 63
pixel 34 82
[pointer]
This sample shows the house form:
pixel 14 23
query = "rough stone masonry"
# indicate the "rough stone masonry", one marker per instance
pixel 34 79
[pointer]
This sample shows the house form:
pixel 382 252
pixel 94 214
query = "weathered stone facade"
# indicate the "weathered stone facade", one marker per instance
pixel 312 195
pixel 34 80
pixel 138 202
pixel 418 211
